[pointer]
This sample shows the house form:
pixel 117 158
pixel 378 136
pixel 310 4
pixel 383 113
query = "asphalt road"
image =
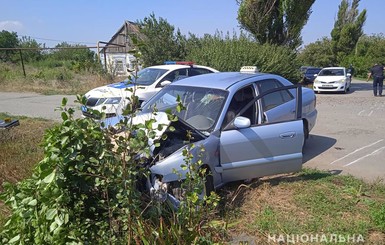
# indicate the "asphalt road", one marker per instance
pixel 35 105
pixel 349 136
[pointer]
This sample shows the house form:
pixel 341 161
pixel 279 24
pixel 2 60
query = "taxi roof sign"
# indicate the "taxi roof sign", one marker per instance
pixel 249 69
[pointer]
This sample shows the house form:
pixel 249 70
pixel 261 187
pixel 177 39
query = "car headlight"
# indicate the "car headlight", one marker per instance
pixel 158 191
pixel 342 80
pixel 113 101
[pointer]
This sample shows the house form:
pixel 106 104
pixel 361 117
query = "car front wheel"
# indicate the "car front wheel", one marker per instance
pixel 208 186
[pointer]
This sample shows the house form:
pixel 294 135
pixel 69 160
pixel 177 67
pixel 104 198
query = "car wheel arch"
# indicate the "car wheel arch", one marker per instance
pixel 208 178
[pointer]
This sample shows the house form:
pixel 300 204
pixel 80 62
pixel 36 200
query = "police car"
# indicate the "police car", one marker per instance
pixel 112 99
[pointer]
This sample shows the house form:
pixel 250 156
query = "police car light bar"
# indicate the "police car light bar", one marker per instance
pixel 249 69
pixel 189 63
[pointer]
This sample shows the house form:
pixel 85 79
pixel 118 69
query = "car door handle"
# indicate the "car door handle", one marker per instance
pixel 287 135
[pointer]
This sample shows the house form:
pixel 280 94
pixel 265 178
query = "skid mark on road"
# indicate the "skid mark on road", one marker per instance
pixel 357 150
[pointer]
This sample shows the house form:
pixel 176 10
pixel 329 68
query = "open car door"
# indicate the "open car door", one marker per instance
pixel 262 149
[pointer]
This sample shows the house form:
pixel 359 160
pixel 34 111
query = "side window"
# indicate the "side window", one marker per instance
pixel 174 76
pixel 239 101
pixel 198 71
pixel 274 99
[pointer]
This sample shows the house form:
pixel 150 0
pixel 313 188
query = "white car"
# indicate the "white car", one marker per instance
pixel 112 99
pixel 332 79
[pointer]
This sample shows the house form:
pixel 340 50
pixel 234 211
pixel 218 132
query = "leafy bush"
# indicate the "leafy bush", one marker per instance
pixel 231 53
pixel 89 189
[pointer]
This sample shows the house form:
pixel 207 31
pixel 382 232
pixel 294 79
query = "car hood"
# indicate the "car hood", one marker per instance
pixel 329 78
pixel 105 92
pixel 114 90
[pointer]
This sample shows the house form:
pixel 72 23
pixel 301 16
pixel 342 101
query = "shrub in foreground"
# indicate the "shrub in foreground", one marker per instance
pixel 89 189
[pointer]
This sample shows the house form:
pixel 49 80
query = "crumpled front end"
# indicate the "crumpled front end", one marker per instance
pixel 164 182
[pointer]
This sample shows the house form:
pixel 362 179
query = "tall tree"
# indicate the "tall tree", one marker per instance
pixel 161 42
pixel 8 40
pixel 317 54
pixel 347 29
pixel 277 22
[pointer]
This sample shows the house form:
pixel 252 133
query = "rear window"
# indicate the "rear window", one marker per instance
pixel 274 99
pixel 312 71
pixel 198 71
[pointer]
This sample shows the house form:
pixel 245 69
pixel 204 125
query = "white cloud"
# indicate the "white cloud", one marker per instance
pixel 11 25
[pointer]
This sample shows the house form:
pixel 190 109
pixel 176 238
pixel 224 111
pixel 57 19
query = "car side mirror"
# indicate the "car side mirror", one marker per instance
pixel 242 122
pixel 315 75
pixel 165 83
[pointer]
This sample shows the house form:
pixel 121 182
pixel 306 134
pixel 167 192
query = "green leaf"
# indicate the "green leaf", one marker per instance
pixel 48 179
pixel 64 140
pixel 15 239
pixel 33 202
pixel 64 116
pixel 53 226
pixel 58 220
pixel 51 213
pixel 64 101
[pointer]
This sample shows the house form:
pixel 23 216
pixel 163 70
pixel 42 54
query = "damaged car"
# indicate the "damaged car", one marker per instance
pixel 249 124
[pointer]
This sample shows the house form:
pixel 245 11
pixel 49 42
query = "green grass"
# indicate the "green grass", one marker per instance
pixel 20 150
pixel 20 147
pixel 309 202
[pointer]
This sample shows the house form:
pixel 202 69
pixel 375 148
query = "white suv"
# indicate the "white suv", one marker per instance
pixel 112 99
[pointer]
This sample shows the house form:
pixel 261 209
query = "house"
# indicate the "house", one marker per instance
pixel 115 56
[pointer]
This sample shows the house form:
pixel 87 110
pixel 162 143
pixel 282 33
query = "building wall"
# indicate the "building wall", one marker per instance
pixel 118 64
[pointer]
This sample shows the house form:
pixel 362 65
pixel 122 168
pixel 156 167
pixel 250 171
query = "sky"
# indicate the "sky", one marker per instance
pixel 87 22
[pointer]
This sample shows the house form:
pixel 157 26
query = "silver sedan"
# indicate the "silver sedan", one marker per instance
pixel 250 125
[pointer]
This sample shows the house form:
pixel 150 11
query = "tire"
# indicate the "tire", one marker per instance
pixel 208 185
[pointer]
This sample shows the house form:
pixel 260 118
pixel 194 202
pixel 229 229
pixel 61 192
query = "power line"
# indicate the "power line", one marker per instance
pixel 54 40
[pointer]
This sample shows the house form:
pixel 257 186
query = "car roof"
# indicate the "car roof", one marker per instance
pixel 176 66
pixel 334 67
pixel 220 80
